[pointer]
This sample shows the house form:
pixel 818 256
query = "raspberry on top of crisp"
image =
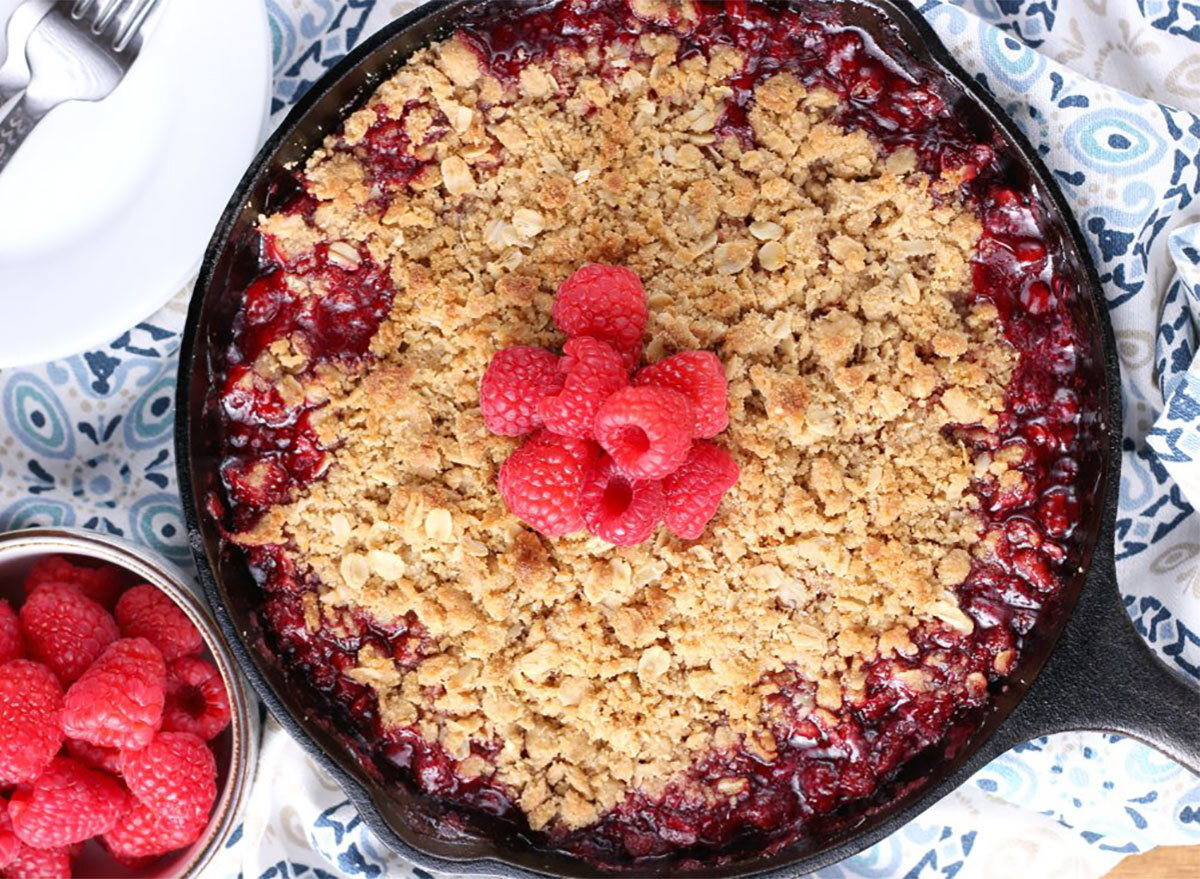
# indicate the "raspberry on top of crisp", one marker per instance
pixel 645 432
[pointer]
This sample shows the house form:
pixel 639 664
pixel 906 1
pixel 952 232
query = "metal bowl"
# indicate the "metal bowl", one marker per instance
pixel 236 749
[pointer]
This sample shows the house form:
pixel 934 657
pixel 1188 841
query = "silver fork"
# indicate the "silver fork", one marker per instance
pixel 14 70
pixel 80 54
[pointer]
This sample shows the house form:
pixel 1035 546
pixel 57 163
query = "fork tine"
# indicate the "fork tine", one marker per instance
pixel 106 13
pixel 133 23
pixel 80 7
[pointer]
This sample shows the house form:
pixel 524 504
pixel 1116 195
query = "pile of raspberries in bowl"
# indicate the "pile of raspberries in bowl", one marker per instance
pixel 108 712
pixel 611 449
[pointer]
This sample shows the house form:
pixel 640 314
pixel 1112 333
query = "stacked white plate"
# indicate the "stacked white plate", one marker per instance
pixel 107 208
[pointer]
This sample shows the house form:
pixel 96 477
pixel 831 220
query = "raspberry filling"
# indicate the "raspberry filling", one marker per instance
pixel 825 765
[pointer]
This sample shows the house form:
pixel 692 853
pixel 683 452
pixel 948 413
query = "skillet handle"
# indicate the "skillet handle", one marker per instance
pixel 1103 676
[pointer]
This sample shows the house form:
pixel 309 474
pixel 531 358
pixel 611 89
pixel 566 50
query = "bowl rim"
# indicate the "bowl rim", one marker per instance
pixel 172 580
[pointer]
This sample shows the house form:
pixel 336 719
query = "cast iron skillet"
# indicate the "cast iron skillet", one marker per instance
pixel 1085 668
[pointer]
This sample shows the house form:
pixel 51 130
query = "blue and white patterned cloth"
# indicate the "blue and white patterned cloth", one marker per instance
pixel 86 441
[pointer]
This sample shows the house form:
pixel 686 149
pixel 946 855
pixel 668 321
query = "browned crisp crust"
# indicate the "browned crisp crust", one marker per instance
pixel 831 282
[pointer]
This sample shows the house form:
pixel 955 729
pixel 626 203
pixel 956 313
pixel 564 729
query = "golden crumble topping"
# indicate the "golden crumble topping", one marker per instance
pixel 831 281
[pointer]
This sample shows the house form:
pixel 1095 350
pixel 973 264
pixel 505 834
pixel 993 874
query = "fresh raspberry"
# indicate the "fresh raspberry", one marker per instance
pixel 9 844
pixel 175 775
pixel 592 371
pixel 102 584
pixel 514 382
pixel 604 302
pixel 586 451
pixel 618 509
pixel 118 703
pixel 141 834
pixel 146 612
pixel 12 645
pixel 196 699
pixel 647 431
pixel 105 759
pixel 36 863
pixel 695 490
pixel 31 701
pixel 697 375
pixel 68 803
pixel 65 630
pixel 540 485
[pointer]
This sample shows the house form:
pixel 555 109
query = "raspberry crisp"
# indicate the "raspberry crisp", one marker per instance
pixel 660 497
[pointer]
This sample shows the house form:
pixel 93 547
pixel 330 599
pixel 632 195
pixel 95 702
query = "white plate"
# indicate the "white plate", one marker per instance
pixel 106 210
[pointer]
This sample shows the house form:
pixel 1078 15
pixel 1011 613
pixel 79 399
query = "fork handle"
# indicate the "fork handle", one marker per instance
pixel 14 128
